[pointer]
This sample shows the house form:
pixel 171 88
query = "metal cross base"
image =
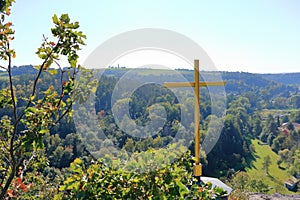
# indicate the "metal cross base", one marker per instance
pixel 197 168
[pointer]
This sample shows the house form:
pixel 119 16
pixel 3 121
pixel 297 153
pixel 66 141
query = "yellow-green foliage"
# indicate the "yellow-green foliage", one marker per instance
pixel 103 181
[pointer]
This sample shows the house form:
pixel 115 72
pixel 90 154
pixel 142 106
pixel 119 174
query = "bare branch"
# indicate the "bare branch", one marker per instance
pixel 3 68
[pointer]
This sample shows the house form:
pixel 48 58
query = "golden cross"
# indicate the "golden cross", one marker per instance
pixel 197 168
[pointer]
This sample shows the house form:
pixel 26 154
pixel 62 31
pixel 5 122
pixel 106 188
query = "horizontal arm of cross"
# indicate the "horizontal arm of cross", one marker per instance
pixel 192 84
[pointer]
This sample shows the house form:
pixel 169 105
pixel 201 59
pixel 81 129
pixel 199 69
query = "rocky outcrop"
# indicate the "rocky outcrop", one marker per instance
pixel 258 196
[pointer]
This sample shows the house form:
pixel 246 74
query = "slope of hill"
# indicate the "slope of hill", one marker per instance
pixel 276 176
pixel 236 82
pixel 285 78
pixel 241 82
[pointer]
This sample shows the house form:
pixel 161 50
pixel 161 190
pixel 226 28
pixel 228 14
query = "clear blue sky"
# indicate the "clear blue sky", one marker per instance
pixel 239 35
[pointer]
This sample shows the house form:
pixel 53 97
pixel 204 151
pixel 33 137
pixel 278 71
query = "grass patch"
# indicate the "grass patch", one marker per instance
pixel 276 177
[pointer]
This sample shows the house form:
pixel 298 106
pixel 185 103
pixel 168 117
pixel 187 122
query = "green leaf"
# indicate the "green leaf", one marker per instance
pixel 219 192
pixel 43 131
pixel 37 67
pixel 76 25
pixel 182 188
pixel 73 63
pixel 65 18
pixel 93 90
pixel 76 162
pixel 42 55
pixel 31 109
pixel 31 97
pixel 55 19
pixel 53 71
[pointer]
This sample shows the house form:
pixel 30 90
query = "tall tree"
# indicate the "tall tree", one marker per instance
pixel 266 163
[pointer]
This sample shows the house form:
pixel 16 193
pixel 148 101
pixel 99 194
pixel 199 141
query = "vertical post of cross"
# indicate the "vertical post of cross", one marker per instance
pixel 197 166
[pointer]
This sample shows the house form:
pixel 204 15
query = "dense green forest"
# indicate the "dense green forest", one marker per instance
pixel 256 109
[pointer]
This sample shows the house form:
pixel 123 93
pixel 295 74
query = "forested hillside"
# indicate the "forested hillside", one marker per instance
pixel 285 78
pixel 252 102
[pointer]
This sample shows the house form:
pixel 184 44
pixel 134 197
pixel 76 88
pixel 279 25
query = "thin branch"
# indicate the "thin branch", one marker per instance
pixel 16 121
pixel 11 148
pixel 58 65
pixel 62 89
pixel 62 116
pixel 3 68
pixel 11 85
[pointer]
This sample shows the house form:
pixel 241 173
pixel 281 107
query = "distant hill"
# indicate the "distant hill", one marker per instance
pixel 258 89
pixel 250 78
pixel 285 78
pixel 274 85
pixel 257 85
pixel 241 83
pixel 24 69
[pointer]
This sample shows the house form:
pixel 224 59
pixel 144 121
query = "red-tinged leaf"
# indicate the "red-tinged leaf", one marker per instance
pixel 10 193
pixel 25 189
pixel 18 181
pixel 8 24
pixel 22 186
